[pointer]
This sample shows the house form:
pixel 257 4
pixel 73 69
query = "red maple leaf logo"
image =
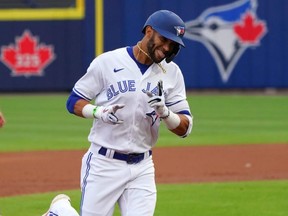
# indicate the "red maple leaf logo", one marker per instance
pixel 250 31
pixel 27 57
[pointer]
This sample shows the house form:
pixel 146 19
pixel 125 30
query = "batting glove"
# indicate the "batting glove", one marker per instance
pixel 158 101
pixel 107 114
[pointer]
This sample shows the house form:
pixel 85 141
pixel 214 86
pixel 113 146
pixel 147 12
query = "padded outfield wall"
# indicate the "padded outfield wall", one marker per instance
pixel 229 43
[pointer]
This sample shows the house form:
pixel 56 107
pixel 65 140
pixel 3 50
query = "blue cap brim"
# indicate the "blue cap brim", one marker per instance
pixel 170 36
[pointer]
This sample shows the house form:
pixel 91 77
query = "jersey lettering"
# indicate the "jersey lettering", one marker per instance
pixel 121 87
pixel 148 86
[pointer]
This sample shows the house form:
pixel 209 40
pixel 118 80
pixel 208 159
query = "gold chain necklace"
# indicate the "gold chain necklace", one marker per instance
pixel 162 68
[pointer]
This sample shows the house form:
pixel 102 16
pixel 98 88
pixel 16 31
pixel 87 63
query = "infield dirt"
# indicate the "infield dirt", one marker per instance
pixel 44 171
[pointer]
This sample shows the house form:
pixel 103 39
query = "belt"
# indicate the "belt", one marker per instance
pixel 132 158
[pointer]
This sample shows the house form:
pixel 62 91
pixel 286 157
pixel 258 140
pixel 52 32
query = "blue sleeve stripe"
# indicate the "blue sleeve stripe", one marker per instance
pixel 184 112
pixel 81 95
pixel 171 104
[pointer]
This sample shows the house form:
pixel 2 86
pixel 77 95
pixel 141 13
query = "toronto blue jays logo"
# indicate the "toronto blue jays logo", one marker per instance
pixel 153 117
pixel 180 30
pixel 227 31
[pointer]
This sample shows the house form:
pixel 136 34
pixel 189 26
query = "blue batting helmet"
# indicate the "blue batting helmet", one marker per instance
pixel 167 24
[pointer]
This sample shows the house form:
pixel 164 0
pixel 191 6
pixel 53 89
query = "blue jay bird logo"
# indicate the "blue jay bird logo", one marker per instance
pixel 227 31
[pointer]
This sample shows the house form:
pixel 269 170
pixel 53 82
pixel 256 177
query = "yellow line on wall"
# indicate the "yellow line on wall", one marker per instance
pixel 44 14
pixel 99 27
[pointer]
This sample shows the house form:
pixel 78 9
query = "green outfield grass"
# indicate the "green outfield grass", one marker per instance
pixel 213 199
pixel 41 122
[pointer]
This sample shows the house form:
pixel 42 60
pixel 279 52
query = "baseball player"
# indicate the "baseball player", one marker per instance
pixel 133 90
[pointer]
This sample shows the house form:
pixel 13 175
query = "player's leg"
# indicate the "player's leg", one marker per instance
pixel 61 206
pixel 137 202
pixel 102 181
pixel 139 197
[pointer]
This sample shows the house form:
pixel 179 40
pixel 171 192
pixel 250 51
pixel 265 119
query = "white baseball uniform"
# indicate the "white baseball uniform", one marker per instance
pixel 115 78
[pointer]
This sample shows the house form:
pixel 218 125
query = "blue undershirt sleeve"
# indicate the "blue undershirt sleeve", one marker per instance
pixel 71 101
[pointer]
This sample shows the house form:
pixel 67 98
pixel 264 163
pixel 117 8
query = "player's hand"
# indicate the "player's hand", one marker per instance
pixel 2 120
pixel 107 114
pixel 158 101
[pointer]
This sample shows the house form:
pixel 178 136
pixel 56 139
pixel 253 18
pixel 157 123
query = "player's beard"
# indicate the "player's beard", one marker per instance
pixel 151 48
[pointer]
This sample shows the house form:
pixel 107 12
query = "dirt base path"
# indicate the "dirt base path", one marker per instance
pixel 36 172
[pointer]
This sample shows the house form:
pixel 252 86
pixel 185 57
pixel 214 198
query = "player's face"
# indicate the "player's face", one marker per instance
pixel 159 47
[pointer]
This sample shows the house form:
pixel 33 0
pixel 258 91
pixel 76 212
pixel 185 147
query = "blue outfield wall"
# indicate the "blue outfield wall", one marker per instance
pixel 216 57
pixel 229 43
pixel 66 56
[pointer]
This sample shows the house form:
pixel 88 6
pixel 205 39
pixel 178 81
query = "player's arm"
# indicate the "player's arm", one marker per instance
pixel 2 120
pixel 75 104
pixel 83 108
pixel 179 123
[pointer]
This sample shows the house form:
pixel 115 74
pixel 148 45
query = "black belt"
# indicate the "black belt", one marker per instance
pixel 132 158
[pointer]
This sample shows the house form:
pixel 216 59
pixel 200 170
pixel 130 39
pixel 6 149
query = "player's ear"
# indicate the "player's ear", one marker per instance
pixel 148 30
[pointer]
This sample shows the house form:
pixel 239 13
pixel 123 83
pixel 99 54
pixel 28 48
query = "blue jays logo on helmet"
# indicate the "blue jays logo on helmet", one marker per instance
pixel 227 31
pixel 180 30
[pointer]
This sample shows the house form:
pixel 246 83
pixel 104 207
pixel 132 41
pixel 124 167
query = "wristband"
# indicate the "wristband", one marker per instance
pixel 172 120
pixel 164 117
pixel 95 111
pixel 90 111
